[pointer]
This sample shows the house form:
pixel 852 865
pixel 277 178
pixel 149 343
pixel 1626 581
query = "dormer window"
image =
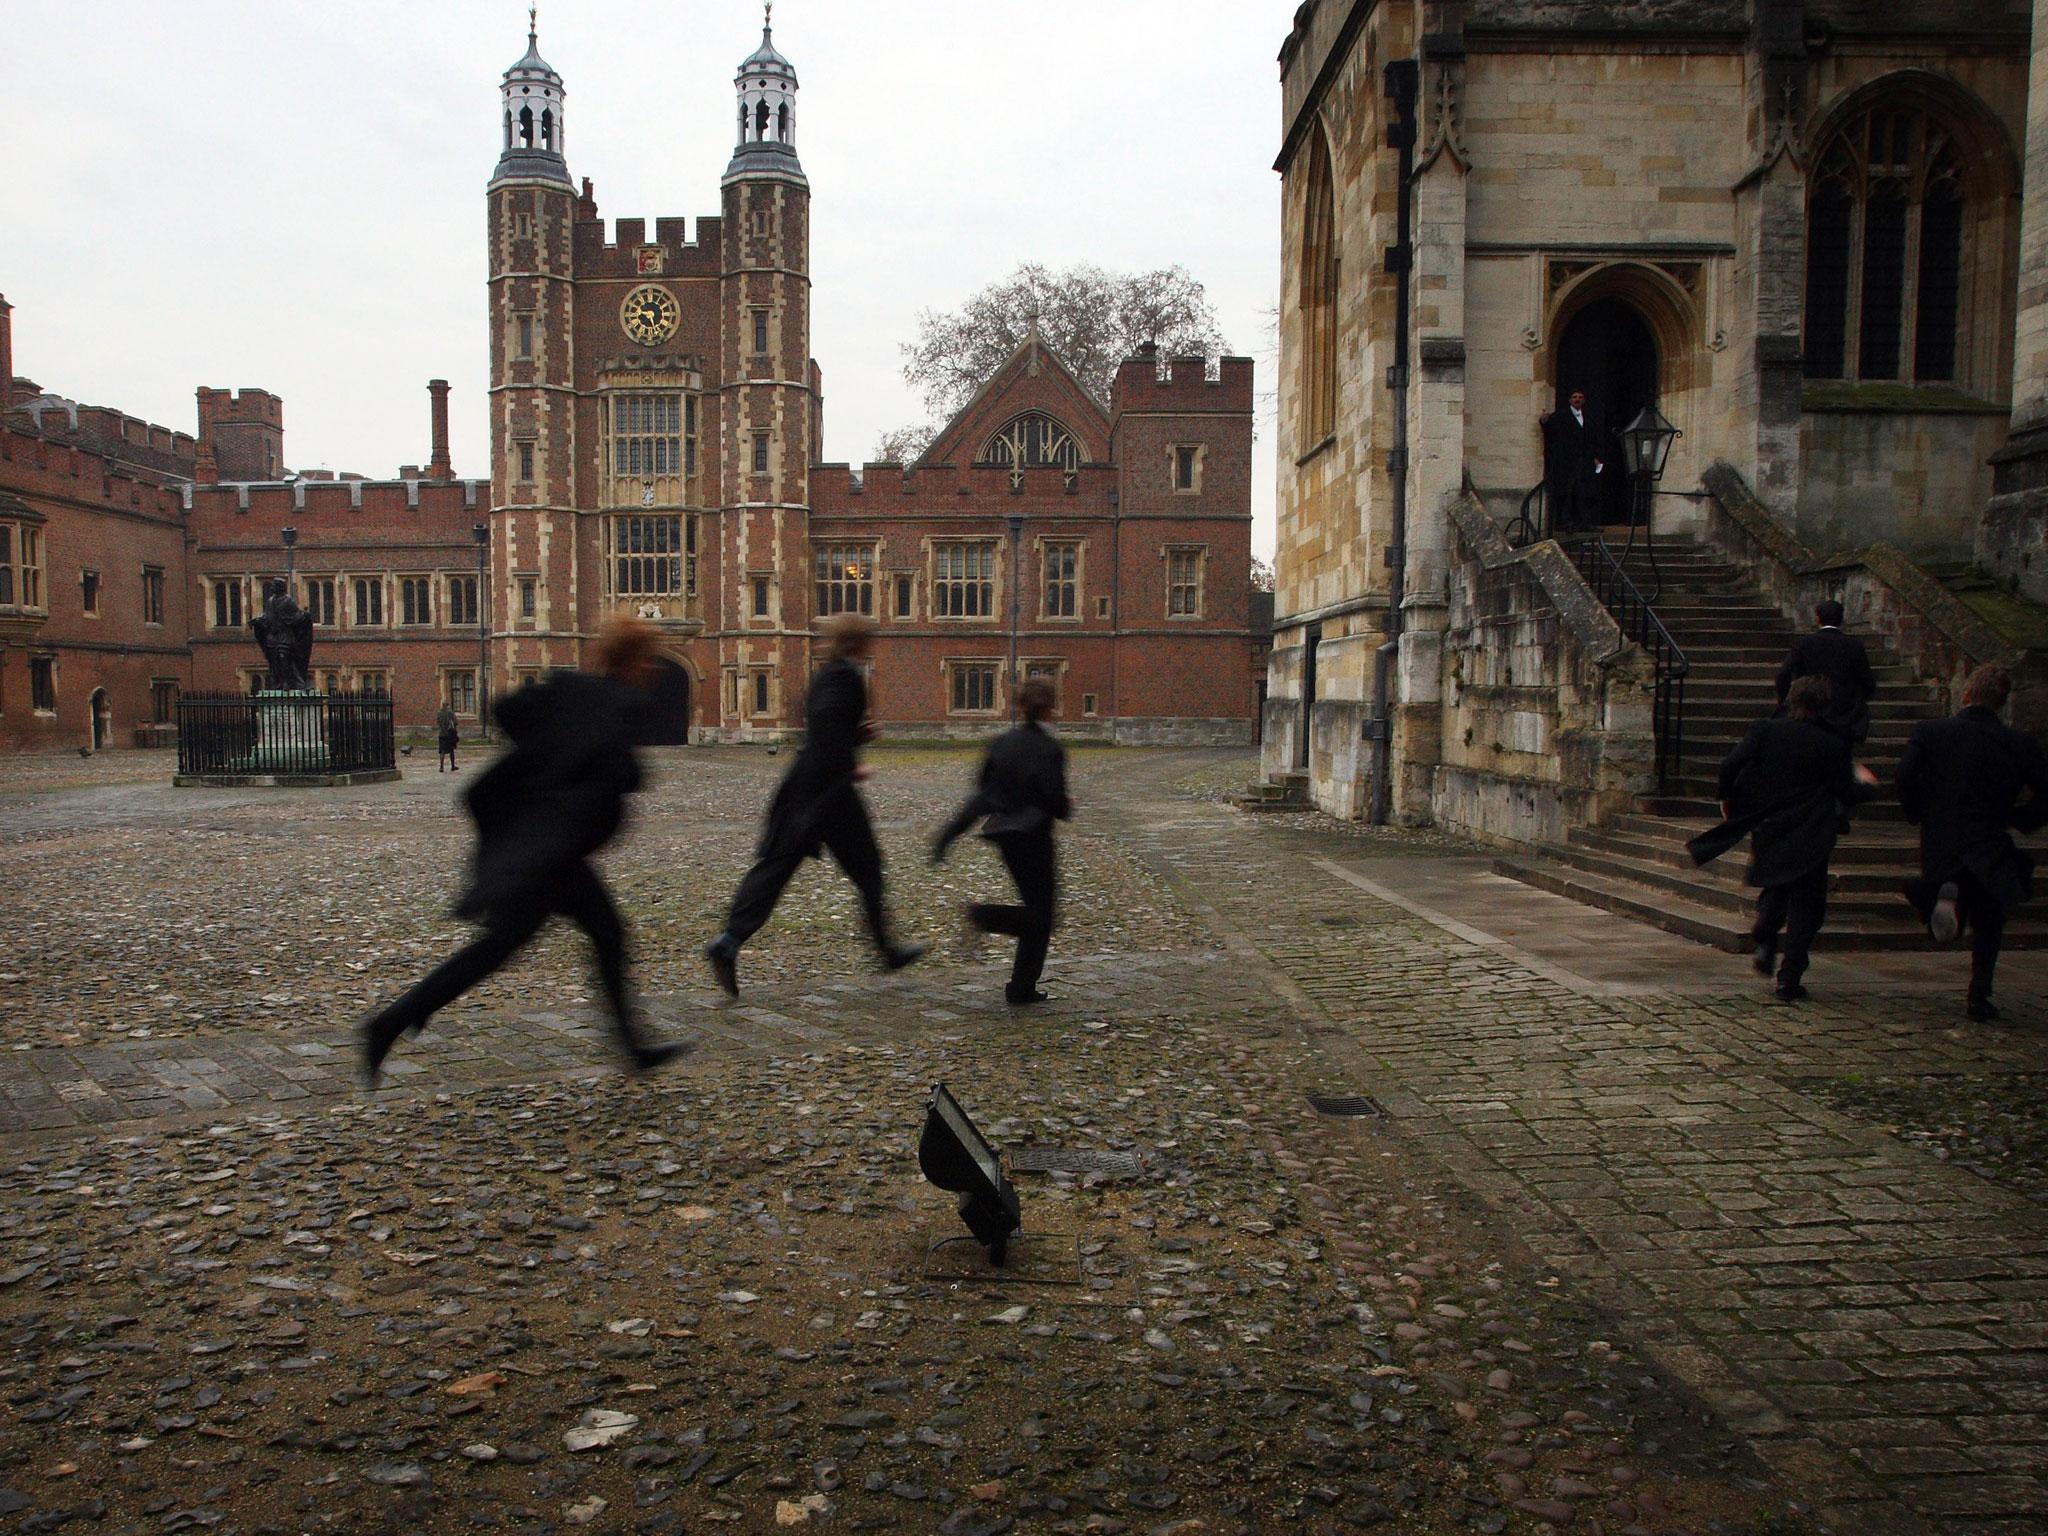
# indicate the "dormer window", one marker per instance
pixel 1032 441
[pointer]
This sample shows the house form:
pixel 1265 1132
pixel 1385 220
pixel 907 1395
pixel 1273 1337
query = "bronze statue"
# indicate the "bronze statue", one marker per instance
pixel 284 632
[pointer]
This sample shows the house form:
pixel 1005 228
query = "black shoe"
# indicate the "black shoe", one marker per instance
pixel 1982 1010
pixel 1024 999
pixel 724 958
pixel 897 956
pixel 1764 959
pixel 377 1037
pixel 647 1057
pixel 1945 922
pixel 1789 992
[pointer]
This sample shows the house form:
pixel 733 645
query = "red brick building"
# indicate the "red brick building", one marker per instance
pixel 655 428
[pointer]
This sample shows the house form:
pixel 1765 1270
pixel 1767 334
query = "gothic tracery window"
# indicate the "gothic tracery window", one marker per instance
pixel 1318 298
pixel 1884 249
pixel 1032 441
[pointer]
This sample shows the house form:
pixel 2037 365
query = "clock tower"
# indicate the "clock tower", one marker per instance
pixel 768 386
pixel 533 608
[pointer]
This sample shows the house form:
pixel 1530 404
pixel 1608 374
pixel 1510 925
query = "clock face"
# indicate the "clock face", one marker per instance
pixel 650 314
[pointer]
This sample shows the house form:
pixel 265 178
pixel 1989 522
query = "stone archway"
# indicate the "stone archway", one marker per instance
pixel 672 692
pixel 1608 350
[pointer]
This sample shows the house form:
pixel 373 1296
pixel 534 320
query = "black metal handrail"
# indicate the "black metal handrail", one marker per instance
pixel 284 735
pixel 1532 521
pixel 1621 597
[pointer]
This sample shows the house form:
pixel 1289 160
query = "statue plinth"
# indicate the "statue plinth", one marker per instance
pixel 291 733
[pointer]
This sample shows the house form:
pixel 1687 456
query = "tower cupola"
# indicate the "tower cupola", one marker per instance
pixel 533 95
pixel 766 85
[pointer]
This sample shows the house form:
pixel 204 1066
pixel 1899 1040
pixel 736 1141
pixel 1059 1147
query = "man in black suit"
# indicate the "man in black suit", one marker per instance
pixel 1021 792
pixel 1782 785
pixel 1841 659
pixel 818 806
pixel 1960 782
pixel 1574 461
pixel 541 811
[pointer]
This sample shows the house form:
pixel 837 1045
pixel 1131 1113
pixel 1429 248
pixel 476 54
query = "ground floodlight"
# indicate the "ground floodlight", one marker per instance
pixel 956 1157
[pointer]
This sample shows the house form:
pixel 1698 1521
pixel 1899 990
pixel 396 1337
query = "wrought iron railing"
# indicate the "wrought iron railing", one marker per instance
pixel 1532 521
pixel 284 734
pixel 1620 596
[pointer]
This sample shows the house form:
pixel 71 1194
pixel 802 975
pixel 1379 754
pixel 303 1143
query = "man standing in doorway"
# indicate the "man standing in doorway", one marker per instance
pixel 1574 462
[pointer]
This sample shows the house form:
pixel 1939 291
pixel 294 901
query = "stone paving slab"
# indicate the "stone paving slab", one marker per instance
pixel 1871 1317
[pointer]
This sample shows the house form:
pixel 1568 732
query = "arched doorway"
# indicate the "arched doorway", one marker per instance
pixel 102 719
pixel 1609 351
pixel 669 718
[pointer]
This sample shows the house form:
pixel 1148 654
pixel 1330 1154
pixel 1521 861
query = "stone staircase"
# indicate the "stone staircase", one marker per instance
pixel 1734 640
pixel 1289 792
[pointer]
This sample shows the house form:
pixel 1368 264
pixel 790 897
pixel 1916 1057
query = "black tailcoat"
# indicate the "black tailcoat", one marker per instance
pixel 1022 789
pixel 1783 783
pixel 819 785
pixel 1842 660
pixel 1960 782
pixel 1569 452
pixel 559 795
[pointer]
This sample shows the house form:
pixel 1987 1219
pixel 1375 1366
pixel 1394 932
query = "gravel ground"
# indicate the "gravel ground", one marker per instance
pixel 705 1301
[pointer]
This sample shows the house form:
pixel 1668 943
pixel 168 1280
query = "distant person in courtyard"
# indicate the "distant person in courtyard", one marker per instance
pixel 444 728
pixel 1784 785
pixel 541 811
pixel 1961 782
pixel 1841 659
pixel 1021 792
pixel 818 806
pixel 1574 464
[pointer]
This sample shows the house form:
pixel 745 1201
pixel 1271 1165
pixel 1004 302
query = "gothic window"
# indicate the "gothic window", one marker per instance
pixel 845 579
pixel 1184 582
pixel 369 612
pixel 964 580
pixel 227 602
pixel 153 594
pixel 973 687
pixel 547 129
pixel 462 600
pixel 782 122
pixel 89 593
pixel 1318 298
pixel 526 127
pixel 1884 249
pixel 654 556
pixel 21 566
pixel 1032 441
pixel 460 689
pixel 1062 580
pixel 650 449
pixel 415 600
pixel 318 598
pixel 760 119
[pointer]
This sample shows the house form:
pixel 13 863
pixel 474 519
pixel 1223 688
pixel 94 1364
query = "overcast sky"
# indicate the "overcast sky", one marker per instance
pixel 228 192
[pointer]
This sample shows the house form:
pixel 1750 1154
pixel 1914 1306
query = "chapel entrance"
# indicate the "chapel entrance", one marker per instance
pixel 668 718
pixel 1608 350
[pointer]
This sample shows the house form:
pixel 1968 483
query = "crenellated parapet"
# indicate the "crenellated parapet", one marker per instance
pixel 630 254
pixel 1183 384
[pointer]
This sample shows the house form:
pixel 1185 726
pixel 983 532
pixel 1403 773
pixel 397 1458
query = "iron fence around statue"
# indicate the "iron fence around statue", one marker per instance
pixel 284 734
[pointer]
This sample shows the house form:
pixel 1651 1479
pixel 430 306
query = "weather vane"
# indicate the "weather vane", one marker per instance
pixel 767 14
pixel 532 20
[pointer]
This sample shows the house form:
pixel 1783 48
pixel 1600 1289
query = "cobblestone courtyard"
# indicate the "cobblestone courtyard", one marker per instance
pixel 1631 1248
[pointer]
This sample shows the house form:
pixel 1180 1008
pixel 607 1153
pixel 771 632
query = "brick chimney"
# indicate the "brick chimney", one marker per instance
pixel 6 353
pixel 438 467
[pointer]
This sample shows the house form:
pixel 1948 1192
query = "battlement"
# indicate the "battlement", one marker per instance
pixel 239 407
pixel 934 488
pixel 438 510
pixel 104 430
pixel 1184 384
pixel 619 256
pixel 56 463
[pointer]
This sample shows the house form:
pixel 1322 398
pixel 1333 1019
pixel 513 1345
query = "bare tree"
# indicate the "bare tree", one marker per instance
pixel 902 445
pixel 1262 575
pixel 1092 319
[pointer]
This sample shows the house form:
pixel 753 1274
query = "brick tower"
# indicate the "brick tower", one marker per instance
pixel 769 397
pixel 533 525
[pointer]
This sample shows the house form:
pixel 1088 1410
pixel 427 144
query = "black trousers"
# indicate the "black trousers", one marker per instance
pixel 850 837
pixel 1796 909
pixel 577 895
pixel 1984 915
pixel 1033 865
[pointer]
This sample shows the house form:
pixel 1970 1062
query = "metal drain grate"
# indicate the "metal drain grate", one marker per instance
pixel 1350 1106
pixel 1111 1165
